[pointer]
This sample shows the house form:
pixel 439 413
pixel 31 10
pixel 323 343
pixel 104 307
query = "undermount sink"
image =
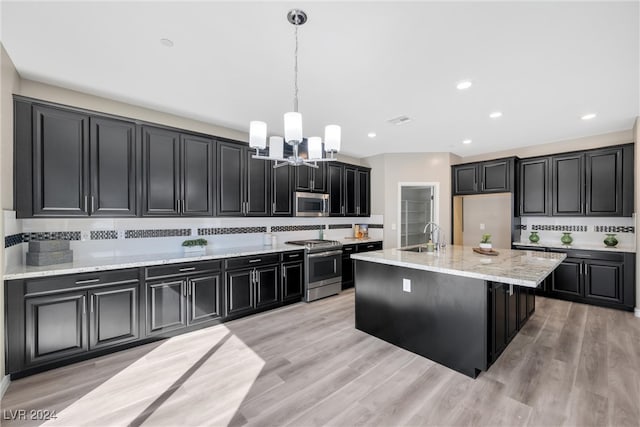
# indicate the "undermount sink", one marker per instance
pixel 415 249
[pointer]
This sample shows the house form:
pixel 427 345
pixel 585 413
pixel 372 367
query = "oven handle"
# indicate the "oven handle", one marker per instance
pixel 321 254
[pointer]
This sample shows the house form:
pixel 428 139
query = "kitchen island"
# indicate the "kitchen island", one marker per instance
pixel 454 306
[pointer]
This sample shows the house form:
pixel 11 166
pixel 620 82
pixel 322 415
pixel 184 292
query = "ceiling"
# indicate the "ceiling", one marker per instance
pixel 543 65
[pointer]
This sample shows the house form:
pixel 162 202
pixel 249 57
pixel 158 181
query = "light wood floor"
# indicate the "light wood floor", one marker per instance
pixel 306 365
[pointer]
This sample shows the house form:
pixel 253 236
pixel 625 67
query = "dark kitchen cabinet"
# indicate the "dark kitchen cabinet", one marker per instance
pixel 594 277
pixel 55 327
pixel 113 165
pixel 204 298
pixel 60 162
pixel 348 272
pixel 243 182
pixel 335 187
pixel 504 315
pixel 166 306
pixel 535 190
pixel 350 191
pixel 495 176
pixel 177 173
pixel 252 284
pixel 292 281
pixel 604 182
pixel 113 315
pixel 311 179
pixel 567 182
pixel 364 192
pixel 282 191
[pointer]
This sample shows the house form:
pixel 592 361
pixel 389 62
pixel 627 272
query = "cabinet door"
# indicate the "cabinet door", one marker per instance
pixel 166 310
pixel 113 168
pixel 197 176
pixel 523 313
pixel 604 182
pixel 160 172
pixel 603 280
pixel 239 292
pixel 56 327
pixel 304 176
pixel 60 162
pixel 567 277
pixel 512 311
pixel 494 176
pixel 335 184
pixel 319 181
pixel 465 179
pixel 113 314
pixel 257 193
pixel 347 272
pixel 230 171
pixel 350 191
pixel 364 193
pixel 292 281
pixel 282 191
pixel 204 298
pixel 531 301
pixel 498 319
pixel 568 184
pixel 534 187
pixel 267 285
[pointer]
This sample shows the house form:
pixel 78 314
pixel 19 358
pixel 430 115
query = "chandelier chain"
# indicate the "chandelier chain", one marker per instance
pixel 295 72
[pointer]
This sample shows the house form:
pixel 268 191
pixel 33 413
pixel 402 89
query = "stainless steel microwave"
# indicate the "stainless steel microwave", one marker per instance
pixel 311 204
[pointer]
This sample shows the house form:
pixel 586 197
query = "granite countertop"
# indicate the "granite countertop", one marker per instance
pixel 584 246
pixel 515 267
pixel 130 261
pixel 355 241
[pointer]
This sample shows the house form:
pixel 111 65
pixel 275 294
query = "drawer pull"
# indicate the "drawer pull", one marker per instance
pixel 182 270
pixel 369 246
pixel 255 260
pixel 294 256
pixel 84 282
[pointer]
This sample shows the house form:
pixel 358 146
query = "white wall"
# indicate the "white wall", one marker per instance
pixel 9 83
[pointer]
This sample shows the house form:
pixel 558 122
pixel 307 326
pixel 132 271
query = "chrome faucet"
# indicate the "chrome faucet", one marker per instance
pixel 434 234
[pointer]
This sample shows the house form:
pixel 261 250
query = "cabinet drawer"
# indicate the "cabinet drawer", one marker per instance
pixel 583 254
pixel 75 281
pixel 349 249
pixel 182 269
pixel 251 261
pixel 293 256
pixel 373 246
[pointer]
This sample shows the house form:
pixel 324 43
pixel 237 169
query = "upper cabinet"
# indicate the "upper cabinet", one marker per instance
pixel 282 191
pixel 176 173
pixel 349 189
pixel 69 163
pixel 311 179
pixel 594 183
pixel 495 176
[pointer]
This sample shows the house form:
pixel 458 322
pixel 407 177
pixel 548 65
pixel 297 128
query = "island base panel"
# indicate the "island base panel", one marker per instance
pixel 443 318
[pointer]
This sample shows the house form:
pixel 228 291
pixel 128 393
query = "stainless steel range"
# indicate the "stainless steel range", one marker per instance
pixel 323 272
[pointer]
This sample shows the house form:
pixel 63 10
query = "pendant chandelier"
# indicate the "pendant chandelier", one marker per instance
pixel 293 126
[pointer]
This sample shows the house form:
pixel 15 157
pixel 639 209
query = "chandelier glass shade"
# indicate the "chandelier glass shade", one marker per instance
pixel 293 135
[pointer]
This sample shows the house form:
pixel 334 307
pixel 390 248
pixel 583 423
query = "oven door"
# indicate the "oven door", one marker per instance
pixel 311 204
pixel 324 268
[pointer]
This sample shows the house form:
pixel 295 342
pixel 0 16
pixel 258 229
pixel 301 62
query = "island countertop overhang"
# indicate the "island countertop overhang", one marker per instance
pixel 510 266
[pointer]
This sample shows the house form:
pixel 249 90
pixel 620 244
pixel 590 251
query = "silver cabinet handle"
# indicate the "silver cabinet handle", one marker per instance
pixel 177 206
pixel 92 205
pixel 86 204
pixel 91 304
pixel 273 207
pixel 84 282
pixel 342 210
pixel 294 255
pixel 322 254
pixel 182 270
pixel 84 305
pixel 182 209
pixel 184 288
pixel 255 260
pixel 190 287
pixel 335 265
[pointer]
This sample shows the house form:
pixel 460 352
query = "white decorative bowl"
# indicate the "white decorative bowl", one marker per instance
pixel 486 246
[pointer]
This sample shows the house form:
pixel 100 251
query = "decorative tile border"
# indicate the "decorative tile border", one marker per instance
pixel 565 228
pixel 521 227
pixel 230 230
pixel 376 225
pixel 169 232
pixel 14 239
pixel 104 235
pixel 613 229
pixel 51 235
pixel 338 226
pixel 281 228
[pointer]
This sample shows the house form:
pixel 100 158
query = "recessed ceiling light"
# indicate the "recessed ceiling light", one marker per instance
pixel 371 134
pixel 495 114
pixel 466 141
pixel 588 116
pixel 465 84
pixel 166 42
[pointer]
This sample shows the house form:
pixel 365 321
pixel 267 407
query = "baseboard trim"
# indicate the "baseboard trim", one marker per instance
pixel 4 385
pixel 637 312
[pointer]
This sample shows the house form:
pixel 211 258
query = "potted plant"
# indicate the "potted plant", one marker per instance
pixel 194 245
pixel 485 242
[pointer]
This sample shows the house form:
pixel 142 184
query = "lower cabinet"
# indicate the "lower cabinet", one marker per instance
pixel 348 272
pixel 292 281
pixel 251 284
pixel 113 316
pixel 509 309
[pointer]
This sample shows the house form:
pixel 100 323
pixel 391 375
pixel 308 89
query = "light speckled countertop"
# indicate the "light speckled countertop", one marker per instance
pixel 516 267
pixel 116 262
pixel 580 246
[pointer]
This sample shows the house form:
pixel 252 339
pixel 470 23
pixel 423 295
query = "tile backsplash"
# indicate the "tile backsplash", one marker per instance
pixel 587 230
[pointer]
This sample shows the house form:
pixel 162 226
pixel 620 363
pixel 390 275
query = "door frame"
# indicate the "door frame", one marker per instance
pixel 435 206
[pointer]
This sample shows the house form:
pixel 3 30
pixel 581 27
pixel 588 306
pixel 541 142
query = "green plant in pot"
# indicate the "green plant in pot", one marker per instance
pixel 485 242
pixel 194 245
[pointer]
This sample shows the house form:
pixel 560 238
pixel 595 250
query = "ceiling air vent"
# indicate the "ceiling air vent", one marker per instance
pixel 400 120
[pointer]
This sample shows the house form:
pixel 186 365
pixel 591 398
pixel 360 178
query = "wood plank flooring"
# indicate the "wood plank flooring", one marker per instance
pixel 306 365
